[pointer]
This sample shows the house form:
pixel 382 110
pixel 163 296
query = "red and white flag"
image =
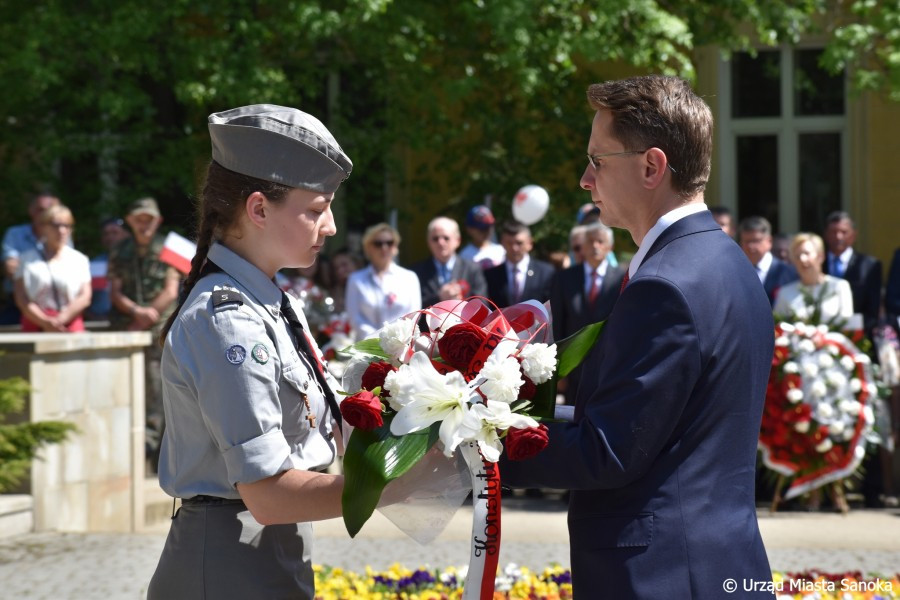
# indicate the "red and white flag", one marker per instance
pixel 99 279
pixel 178 252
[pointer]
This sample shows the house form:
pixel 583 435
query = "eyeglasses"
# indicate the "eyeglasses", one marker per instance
pixel 594 159
pixel 383 243
pixel 57 225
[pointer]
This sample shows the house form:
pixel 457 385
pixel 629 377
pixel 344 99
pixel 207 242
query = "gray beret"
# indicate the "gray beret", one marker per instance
pixel 279 144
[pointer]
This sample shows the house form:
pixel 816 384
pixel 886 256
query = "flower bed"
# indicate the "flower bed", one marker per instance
pixel 554 583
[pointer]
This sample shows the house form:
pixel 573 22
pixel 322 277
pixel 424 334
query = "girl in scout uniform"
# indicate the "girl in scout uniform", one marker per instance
pixel 248 405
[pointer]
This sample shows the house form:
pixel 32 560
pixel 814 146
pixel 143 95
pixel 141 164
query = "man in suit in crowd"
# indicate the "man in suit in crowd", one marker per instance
pixel 585 293
pixel 660 458
pixel 722 215
pixel 755 238
pixel 862 272
pixel 520 277
pixel 446 275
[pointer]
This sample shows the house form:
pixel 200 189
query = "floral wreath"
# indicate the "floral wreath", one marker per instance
pixel 818 413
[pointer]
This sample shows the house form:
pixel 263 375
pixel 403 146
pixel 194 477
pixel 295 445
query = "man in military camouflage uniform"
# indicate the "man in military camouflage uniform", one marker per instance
pixel 143 292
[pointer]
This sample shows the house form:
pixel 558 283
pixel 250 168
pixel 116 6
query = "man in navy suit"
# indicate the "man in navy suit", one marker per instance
pixel 446 275
pixel 755 238
pixel 862 272
pixel 585 293
pixel 660 459
pixel 520 277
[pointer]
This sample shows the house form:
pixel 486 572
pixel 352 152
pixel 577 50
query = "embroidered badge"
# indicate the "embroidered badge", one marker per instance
pixel 236 354
pixel 260 354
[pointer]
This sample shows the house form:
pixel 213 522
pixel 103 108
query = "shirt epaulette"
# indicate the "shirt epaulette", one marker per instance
pixel 224 297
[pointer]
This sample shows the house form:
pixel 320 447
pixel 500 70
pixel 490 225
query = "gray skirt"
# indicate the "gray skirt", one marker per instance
pixel 218 551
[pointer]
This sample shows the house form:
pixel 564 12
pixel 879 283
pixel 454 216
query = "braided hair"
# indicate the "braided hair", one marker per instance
pixel 221 203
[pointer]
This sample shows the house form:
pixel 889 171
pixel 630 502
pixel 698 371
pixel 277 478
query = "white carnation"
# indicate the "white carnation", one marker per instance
pixel 781 341
pixel 850 407
pixel 824 446
pixel 835 379
pixel 847 363
pixel 395 337
pixel 836 428
pixel 806 347
pixel 538 361
pixel 502 378
pixel 810 369
pixel 849 432
pixel 855 385
pixel 794 395
pixel 824 411
pixel 818 389
pixel 801 426
pixel 791 367
pixel 825 360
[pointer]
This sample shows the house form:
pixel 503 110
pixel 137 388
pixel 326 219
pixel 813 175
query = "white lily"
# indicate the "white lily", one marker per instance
pixel 481 423
pixel 422 396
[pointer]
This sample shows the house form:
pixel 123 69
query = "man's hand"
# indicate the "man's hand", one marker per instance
pixel 144 318
pixel 450 291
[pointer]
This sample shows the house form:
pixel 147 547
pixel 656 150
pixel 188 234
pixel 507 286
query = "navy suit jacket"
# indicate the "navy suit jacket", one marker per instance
pixel 892 291
pixel 537 283
pixel 779 274
pixel 864 276
pixel 661 457
pixel 572 311
pixel 430 283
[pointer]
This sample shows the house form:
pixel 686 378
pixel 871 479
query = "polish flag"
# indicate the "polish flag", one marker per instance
pixel 99 269
pixel 178 252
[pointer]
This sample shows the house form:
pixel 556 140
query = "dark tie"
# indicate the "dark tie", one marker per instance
pixel 595 289
pixel 624 283
pixel 305 349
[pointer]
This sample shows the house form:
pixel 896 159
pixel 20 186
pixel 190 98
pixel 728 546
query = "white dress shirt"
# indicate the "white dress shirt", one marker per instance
pixel 515 275
pixel 590 274
pixel 661 225
pixel 763 266
pixel 372 300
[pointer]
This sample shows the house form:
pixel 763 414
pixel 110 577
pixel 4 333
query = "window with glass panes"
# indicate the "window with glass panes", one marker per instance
pixel 782 138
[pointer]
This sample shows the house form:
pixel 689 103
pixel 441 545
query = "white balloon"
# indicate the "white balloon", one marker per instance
pixel 530 204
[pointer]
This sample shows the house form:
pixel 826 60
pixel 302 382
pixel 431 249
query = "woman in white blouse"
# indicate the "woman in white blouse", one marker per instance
pixel 816 298
pixel 383 291
pixel 53 283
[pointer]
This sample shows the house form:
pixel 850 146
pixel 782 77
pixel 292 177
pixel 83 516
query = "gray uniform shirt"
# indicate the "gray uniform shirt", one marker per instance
pixel 232 388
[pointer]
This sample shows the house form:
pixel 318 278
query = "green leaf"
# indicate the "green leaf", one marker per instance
pixel 572 350
pixel 372 460
pixel 370 346
pixel 569 352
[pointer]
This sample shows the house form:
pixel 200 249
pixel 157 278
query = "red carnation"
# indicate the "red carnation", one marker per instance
pixel 362 410
pixel 375 375
pixel 525 443
pixel 460 343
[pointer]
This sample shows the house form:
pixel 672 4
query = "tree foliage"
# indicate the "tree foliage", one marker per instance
pixel 19 443
pixel 438 104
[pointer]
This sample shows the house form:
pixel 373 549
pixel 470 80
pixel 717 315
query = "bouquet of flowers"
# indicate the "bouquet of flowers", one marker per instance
pixel 818 414
pixel 467 379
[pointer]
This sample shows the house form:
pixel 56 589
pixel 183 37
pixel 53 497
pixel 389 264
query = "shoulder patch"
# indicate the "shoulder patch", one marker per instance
pixel 226 296
pixel 260 354
pixel 236 354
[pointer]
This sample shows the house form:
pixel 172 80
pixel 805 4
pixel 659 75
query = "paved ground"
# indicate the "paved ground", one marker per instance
pixel 118 566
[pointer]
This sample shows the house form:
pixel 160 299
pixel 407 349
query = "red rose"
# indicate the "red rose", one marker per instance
pixel 460 343
pixel 525 443
pixel 362 410
pixel 375 375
